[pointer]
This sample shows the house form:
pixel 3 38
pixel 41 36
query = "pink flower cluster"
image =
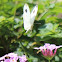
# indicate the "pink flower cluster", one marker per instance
pixel 48 50
pixel 12 57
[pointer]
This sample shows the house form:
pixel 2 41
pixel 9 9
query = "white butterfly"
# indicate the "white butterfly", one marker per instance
pixel 29 17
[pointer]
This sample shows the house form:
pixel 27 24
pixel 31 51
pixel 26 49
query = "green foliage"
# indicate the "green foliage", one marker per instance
pixel 47 28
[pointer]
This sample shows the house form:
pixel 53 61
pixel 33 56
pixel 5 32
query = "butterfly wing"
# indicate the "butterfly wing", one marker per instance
pixel 33 14
pixel 26 17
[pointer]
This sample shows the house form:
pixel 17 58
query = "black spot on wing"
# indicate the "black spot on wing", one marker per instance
pixel 26 10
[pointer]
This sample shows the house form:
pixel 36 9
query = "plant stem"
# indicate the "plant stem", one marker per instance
pixel 49 60
pixel 23 49
pixel 16 2
pixel 42 14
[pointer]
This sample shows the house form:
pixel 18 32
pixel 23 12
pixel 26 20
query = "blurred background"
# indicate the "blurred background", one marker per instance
pixel 47 28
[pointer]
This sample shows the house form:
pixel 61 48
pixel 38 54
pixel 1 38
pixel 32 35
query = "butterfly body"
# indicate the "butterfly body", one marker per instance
pixel 28 17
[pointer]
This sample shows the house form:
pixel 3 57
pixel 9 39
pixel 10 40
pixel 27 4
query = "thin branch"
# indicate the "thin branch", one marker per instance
pixel 42 14
pixel 16 2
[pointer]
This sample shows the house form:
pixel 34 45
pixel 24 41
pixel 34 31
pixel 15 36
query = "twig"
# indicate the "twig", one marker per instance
pixel 45 12
pixel 42 14
pixel 16 2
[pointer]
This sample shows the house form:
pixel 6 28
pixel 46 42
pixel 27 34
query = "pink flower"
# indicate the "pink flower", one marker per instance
pixel 47 50
pixel 3 57
pixel 7 60
pixel 11 57
pixel 22 58
pixel 10 60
